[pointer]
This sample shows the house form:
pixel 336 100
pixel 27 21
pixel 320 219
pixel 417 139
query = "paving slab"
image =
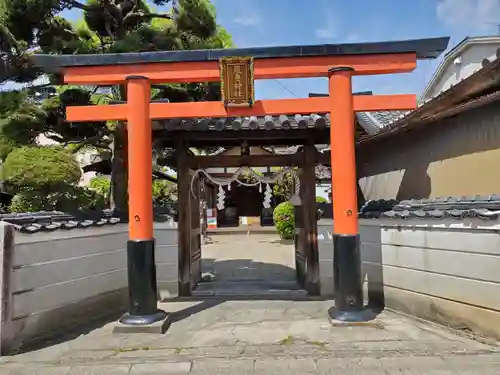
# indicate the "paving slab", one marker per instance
pixel 100 370
pixel 279 335
pixel 160 368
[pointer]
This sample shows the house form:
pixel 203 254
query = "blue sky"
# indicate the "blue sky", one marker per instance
pixel 254 23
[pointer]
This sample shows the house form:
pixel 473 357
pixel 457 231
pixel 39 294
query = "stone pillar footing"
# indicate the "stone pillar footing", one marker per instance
pixel 158 322
pixel 362 317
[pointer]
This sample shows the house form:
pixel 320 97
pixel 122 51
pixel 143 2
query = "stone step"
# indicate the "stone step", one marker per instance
pixel 256 288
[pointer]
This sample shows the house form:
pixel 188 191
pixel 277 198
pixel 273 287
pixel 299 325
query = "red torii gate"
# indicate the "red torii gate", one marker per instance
pixel 337 62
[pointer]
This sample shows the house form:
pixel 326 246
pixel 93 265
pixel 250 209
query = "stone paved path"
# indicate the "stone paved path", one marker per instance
pixel 243 265
pixel 273 336
pixel 237 257
pixel 263 337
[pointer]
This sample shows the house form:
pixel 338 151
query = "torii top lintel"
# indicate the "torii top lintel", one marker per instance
pixel 270 62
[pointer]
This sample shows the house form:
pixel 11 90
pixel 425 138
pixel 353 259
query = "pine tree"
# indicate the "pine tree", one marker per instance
pixel 106 26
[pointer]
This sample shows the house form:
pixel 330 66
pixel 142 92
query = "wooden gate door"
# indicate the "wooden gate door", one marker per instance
pixel 195 235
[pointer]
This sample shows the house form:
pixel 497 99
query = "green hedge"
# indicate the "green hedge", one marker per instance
pixel 284 220
pixel 67 198
pixel 163 191
pixel 45 178
pixel 40 168
pixel 321 199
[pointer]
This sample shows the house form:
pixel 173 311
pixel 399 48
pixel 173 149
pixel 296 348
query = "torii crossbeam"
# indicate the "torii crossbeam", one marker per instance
pixel 339 63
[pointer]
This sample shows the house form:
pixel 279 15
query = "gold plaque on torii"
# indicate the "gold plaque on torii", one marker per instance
pixel 237 81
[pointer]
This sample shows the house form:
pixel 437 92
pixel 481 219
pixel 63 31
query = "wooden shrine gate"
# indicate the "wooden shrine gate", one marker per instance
pixel 229 122
pixel 306 250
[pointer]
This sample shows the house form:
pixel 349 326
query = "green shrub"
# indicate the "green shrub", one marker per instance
pixel 67 199
pixel 101 185
pixel 164 191
pixel 284 220
pixel 6 146
pixel 321 199
pixel 40 168
pixel 27 201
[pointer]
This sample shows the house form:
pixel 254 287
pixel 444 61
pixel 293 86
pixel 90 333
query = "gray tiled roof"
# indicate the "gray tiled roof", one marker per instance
pixel 54 220
pixel 372 122
pixel 246 123
pixel 484 207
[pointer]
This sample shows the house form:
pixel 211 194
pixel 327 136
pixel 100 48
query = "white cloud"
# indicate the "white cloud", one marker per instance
pixel 247 21
pixel 332 22
pixel 330 30
pixel 470 16
pixel 326 32
pixel 246 14
pixel 354 38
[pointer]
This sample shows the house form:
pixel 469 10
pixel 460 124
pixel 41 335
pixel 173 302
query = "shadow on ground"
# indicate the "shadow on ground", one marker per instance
pixel 232 270
pixel 234 280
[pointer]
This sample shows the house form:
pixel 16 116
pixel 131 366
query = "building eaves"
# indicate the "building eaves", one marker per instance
pixel 483 81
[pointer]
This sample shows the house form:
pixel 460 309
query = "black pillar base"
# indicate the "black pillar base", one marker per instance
pixel 142 287
pixel 348 286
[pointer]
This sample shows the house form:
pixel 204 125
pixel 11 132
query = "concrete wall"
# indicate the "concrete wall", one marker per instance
pixel 445 271
pixel 52 281
pixel 453 157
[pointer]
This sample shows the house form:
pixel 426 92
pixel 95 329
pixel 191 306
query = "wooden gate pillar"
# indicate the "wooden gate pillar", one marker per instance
pixel 184 225
pixel 141 267
pixel 310 219
pixel 300 237
pixel 346 258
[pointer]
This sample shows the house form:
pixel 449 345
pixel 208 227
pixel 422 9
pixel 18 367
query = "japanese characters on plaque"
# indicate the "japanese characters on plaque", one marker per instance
pixel 237 81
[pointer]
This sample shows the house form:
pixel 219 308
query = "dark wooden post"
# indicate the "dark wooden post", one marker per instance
pixel 300 253
pixel 310 219
pixel 195 267
pixel 184 224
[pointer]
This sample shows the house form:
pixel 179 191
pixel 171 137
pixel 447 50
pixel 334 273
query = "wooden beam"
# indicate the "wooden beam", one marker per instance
pixel 270 68
pixel 231 161
pixel 276 107
pixel 230 138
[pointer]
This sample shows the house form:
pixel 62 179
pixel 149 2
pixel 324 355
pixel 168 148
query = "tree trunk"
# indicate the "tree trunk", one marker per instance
pixel 119 172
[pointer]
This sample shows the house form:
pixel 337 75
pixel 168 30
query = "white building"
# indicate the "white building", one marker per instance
pixel 463 60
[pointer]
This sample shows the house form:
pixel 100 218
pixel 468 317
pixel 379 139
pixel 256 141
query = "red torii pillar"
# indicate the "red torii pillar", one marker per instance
pixel 141 270
pixel 348 286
